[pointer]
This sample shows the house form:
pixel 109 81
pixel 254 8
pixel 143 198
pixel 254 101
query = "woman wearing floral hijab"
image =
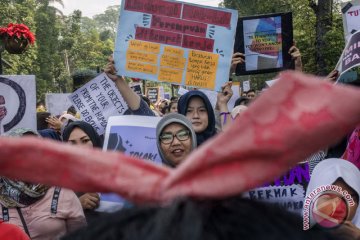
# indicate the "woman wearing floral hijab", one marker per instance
pixel 42 212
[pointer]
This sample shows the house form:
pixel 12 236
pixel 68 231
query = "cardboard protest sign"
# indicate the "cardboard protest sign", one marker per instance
pixel 175 42
pixel 97 100
pixel 287 192
pixel 351 17
pixel 17 102
pixel 349 60
pixel 265 40
pixel 57 103
pixel 153 94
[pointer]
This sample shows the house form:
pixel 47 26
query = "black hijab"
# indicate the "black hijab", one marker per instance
pixel 87 128
pixel 183 103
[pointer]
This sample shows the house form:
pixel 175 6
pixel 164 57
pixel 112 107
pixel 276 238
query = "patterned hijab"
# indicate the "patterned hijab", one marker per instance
pixel 15 193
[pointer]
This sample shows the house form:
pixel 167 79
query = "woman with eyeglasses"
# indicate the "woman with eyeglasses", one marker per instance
pixel 175 139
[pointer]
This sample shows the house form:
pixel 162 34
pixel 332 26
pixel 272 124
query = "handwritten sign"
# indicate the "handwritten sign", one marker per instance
pixel 57 103
pixel 97 100
pixel 351 17
pixel 350 59
pixel 265 40
pixel 287 192
pixel 153 94
pixel 175 42
pixel 17 102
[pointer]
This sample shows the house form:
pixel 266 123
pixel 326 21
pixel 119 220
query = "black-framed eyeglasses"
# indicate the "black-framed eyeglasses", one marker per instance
pixel 181 135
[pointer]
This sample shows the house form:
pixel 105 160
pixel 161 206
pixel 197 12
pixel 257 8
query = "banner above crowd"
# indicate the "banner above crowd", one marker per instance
pixel 351 17
pixel 265 40
pixel 17 102
pixel 175 42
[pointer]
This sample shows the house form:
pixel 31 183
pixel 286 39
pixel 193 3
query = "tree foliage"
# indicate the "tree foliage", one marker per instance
pixel 64 45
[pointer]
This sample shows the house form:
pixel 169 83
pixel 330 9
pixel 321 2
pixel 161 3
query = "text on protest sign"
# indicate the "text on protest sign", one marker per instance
pixel 351 17
pixel 287 192
pixel 97 101
pixel 175 42
pixel 351 54
pixel 17 102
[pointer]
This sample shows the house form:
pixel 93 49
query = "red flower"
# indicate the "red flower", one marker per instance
pixel 20 31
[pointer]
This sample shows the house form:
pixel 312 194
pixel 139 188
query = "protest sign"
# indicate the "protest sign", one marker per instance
pixel 57 103
pixel 136 87
pixel 153 94
pixel 351 17
pixel 97 100
pixel 265 40
pixel 175 42
pixel 134 136
pixel 17 102
pixel 182 91
pixel 349 60
pixel 246 85
pixel 287 192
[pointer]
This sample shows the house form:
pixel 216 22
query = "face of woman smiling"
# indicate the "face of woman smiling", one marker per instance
pixel 173 149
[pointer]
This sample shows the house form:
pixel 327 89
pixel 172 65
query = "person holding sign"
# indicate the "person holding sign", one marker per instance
pixel 175 139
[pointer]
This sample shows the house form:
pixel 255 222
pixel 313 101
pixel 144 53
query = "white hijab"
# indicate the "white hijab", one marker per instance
pixel 329 170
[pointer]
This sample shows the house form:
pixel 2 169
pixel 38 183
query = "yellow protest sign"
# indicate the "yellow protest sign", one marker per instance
pixel 201 69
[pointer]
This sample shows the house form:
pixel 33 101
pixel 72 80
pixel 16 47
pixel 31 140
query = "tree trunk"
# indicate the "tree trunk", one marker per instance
pixel 323 12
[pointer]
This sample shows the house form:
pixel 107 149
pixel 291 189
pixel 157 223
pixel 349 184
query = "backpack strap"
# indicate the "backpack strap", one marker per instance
pixel 55 200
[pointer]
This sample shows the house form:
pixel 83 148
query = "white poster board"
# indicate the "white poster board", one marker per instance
pixel 17 102
pixel 175 42
pixel 97 100
pixel 57 103
pixel 246 85
pixel 351 17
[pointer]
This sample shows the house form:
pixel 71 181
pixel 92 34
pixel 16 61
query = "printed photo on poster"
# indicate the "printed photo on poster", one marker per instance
pixel 265 41
pixel 175 42
pixel 17 102
pixel 134 136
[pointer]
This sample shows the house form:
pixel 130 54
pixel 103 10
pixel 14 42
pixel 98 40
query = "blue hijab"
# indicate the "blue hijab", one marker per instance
pixel 183 103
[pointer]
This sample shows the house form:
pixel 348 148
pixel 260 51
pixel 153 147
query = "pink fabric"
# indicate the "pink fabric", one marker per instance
pixel 42 224
pixel 296 117
pixel 352 152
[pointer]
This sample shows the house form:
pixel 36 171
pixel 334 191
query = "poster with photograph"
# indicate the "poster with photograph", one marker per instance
pixel 17 102
pixel 175 42
pixel 351 17
pixel 350 61
pixel 265 41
